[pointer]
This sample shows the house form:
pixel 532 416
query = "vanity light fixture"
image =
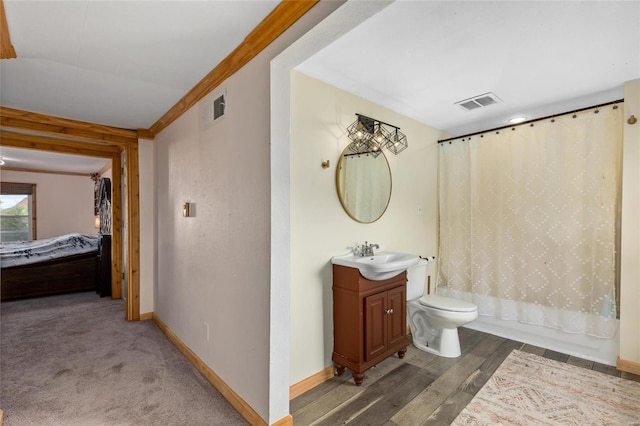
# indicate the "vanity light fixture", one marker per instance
pixel 371 136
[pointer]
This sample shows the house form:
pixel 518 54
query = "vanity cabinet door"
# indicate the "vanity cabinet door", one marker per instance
pixel 375 319
pixel 385 319
pixel 369 320
pixel 397 316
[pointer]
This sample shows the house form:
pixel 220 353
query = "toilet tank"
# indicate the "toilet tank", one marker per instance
pixel 417 278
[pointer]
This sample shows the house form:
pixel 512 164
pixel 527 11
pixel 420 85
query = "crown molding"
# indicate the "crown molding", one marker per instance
pixel 65 128
pixel 6 48
pixel 279 20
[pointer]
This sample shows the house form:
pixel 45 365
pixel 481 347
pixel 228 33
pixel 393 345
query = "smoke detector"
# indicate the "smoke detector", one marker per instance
pixel 479 101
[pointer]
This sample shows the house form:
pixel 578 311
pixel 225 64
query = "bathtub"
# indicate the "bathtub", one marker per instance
pixel 599 349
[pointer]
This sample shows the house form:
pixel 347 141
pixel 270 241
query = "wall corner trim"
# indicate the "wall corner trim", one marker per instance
pixel 285 421
pixel 227 392
pixel 310 382
pixel 146 316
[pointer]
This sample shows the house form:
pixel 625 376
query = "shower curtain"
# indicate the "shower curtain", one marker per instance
pixel 527 221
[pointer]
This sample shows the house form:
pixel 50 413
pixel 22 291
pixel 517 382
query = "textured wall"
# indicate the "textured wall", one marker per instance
pixel 320 228
pixel 213 269
pixel 64 203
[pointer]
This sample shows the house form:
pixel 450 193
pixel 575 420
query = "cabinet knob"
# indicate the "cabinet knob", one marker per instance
pixel 389 311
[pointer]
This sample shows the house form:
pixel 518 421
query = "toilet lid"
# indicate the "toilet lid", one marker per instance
pixel 447 303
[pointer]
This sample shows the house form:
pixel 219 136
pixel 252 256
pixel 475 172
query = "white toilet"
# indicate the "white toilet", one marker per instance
pixel 433 319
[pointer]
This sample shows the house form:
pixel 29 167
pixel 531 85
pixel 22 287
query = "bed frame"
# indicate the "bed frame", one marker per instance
pixel 56 276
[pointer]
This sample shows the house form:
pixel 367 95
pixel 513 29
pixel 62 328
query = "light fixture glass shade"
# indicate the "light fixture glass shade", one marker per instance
pixel 397 142
pixel 360 137
pixel 358 133
pixel 375 150
pixel 370 136
pixel 379 139
pixel 359 147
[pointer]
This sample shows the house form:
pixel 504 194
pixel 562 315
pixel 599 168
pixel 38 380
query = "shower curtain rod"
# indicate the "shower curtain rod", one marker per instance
pixel 532 121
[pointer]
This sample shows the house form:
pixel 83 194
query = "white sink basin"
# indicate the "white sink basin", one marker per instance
pixel 381 266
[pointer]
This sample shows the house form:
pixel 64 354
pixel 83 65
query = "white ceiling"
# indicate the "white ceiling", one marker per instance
pixel 125 64
pixel 26 159
pixel 118 63
pixel 540 58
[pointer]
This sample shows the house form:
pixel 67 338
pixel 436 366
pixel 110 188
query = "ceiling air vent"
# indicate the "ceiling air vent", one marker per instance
pixel 479 101
pixel 214 110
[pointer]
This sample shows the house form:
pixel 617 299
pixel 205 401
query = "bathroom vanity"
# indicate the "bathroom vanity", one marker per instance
pixel 369 320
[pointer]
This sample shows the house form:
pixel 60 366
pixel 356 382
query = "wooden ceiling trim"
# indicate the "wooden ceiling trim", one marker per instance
pixel 6 48
pixel 44 143
pixel 67 128
pixel 276 23
pixel 52 172
pixel 63 132
pixel 132 240
pixel 281 18
pixel 144 134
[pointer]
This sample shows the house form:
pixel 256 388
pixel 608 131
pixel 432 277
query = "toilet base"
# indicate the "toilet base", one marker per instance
pixel 447 345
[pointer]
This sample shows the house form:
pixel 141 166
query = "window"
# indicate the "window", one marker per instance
pixel 17 211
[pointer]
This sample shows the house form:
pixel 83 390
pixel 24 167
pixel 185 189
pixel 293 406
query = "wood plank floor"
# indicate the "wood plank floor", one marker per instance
pixel 421 389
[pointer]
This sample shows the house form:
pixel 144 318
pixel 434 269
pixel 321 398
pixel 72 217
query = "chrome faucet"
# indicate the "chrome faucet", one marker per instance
pixel 367 249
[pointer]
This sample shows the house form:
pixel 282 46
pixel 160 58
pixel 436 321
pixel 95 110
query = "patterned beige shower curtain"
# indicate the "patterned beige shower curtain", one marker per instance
pixel 527 221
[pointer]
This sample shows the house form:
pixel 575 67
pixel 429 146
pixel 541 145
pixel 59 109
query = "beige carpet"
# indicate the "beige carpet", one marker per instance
pixel 530 390
pixel 72 360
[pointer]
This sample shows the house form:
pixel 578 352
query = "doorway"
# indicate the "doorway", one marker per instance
pixel 95 141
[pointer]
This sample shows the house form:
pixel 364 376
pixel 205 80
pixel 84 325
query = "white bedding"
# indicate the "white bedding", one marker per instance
pixel 26 252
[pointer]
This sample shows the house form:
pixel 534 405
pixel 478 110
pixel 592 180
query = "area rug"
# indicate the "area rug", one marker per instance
pixel 530 390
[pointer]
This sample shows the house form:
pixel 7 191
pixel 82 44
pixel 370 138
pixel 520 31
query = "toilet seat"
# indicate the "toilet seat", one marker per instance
pixel 447 303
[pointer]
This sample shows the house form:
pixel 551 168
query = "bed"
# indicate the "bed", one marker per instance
pixel 63 264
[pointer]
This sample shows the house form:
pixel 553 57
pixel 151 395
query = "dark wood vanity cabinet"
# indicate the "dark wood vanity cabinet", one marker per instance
pixel 369 320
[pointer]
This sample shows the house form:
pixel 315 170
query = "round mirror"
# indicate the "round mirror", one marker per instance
pixel 364 185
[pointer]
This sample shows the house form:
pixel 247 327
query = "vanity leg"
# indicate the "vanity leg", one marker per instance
pixel 358 378
pixel 339 370
pixel 401 352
